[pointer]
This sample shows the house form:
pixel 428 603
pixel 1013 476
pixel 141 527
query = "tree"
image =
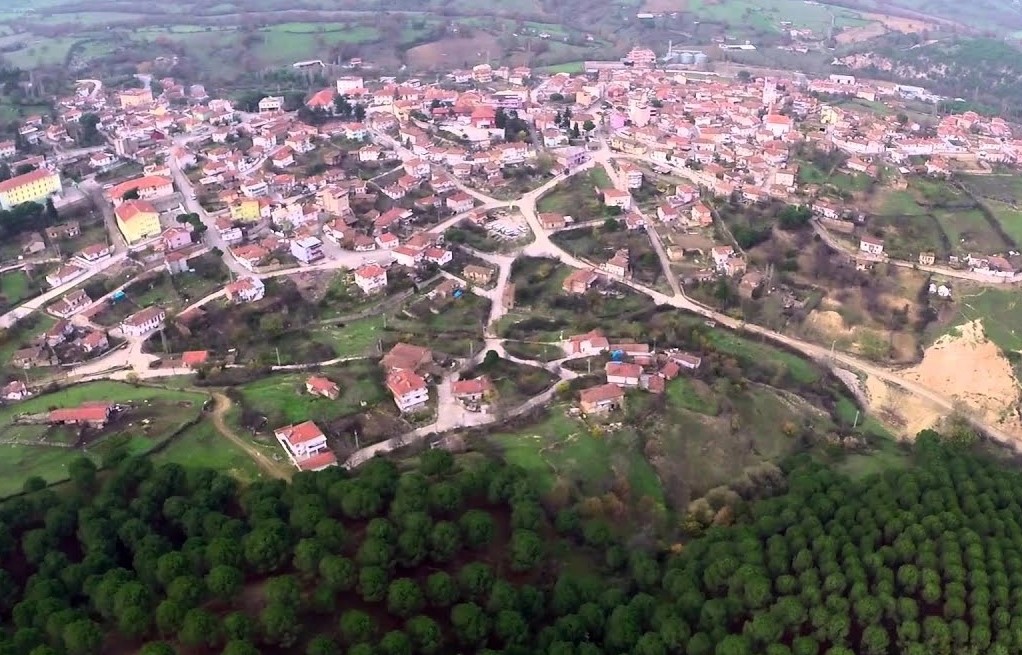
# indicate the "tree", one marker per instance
pixel 280 624
pixel 356 627
pixel 83 637
pixel 470 624
pixel 157 648
pixel 372 583
pixel 441 589
pixel 239 647
pixel 526 550
pixel 404 598
pixel 510 628
pixel 395 642
pixel 338 573
pixel 224 582
pixel 322 645
pixel 444 542
pixel 200 628
pixel 425 633
pixel 266 548
pixel 477 528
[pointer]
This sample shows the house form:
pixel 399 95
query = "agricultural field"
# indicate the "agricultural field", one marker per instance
pixel 200 446
pixel 1000 194
pixel 282 398
pixel 934 216
pixel 577 196
pixel 154 417
pixel 17 287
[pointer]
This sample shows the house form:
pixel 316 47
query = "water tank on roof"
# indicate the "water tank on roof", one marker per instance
pixel 687 58
pixel 617 355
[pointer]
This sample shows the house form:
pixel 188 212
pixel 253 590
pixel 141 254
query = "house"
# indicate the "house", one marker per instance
pixel 388 241
pixel 176 238
pixel 306 446
pixel 70 304
pixel 34 186
pixel 927 258
pixel 667 213
pixel 590 343
pixel 618 264
pixel 149 187
pixel 721 255
pixel 65 274
pixel 92 414
pixel 246 289
pixel 143 322
pixel 58 333
pixel 701 215
pixel 137 220
pixel 307 249
pixel 32 243
pixel 175 262
pixel 460 202
pixel 282 157
pixel 579 281
pixel 617 198
pixel 97 252
pixel 271 104
pixel 14 391
pixel 474 390
pixel 93 341
pixel 439 256
pixel 194 358
pixel 871 245
pixel 407 357
pixel 601 399
pixel 407 256
pixel 318 385
pixel 623 374
pixel 29 357
pixel 478 274
pixel 371 278
pixel 68 230
pixel 552 221
pixel 632 174
pixel 685 360
pixel 409 390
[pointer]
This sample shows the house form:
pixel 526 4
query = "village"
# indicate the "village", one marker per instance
pixel 632 178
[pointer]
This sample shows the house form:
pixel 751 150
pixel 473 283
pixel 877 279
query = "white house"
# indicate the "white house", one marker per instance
pixel 409 390
pixel 64 274
pixel 246 289
pixel 871 245
pixel 307 249
pixel 15 390
pixel 623 374
pixel 438 256
pixel 306 446
pixel 617 198
pixel 143 322
pixel 371 278
pixel 271 104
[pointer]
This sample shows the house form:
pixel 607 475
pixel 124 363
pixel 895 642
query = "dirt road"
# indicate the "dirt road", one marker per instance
pixel 223 405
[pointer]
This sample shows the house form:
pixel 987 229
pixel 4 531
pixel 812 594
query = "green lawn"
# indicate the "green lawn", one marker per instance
pixel 118 392
pixel 352 339
pixel 1000 311
pixel 201 446
pixel 683 392
pixel 19 463
pixel 571 67
pixel 15 287
pixel 885 457
pixel 283 400
pixel 563 448
pixel 1009 218
pixel 800 370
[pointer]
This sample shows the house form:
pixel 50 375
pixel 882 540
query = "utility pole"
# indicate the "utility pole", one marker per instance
pixel 277 349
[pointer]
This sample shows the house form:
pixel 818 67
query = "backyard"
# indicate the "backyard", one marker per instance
pixel 599 244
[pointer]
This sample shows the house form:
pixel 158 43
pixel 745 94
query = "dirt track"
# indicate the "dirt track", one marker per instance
pixel 223 405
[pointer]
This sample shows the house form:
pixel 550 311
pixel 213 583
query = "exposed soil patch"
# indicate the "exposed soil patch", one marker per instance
pixel 455 52
pixel 969 367
pixel 906 414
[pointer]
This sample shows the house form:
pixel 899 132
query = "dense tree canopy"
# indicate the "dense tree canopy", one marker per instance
pixel 446 559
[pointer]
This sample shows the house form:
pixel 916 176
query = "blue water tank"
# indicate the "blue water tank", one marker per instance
pixel 617 355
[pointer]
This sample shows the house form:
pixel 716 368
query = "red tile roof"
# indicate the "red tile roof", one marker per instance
pixel 27 178
pixel 318 461
pixel 195 358
pixel 300 433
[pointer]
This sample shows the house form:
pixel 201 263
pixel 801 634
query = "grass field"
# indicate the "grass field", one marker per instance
pixel 19 463
pixel 768 14
pixel 1000 311
pixel 117 392
pixel 353 339
pixel 687 394
pixel 572 67
pixel 283 399
pixel 745 349
pixel 562 447
pixel 201 446
pixel 14 288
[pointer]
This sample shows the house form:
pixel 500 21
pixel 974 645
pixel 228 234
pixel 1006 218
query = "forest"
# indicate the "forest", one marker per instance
pixel 463 556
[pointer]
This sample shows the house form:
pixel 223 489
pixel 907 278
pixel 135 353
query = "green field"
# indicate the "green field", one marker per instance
pixel 20 463
pixel 117 392
pixel 1000 310
pixel 15 287
pixel 768 14
pixel 571 67
pixel 283 400
pixel 201 446
pixel 353 339
pixel 687 394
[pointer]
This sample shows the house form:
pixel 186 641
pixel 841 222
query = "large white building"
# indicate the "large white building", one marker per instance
pixel 307 249
pixel 371 278
pixel 306 446
pixel 410 391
